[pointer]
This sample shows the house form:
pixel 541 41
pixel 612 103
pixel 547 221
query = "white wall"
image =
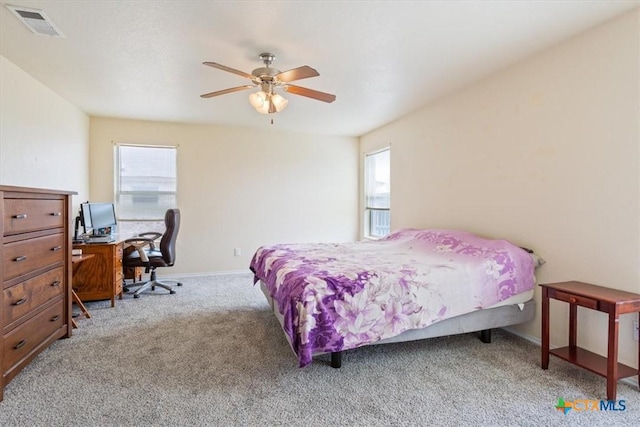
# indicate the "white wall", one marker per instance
pixel 44 140
pixel 237 188
pixel 241 188
pixel 546 154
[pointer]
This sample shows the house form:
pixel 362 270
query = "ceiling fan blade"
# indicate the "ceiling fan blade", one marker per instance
pixel 310 93
pixel 299 73
pixel 229 69
pixel 225 91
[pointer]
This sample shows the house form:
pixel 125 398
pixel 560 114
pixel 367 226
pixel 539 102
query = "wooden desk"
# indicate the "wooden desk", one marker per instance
pixel 100 277
pixel 75 262
pixel 611 301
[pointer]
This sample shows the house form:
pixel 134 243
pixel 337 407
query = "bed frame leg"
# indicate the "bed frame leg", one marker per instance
pixel 336 359
pixel 485 336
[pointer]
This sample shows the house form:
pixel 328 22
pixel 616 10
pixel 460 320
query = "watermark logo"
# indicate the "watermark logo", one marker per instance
pixel 564 406
pixel 583 405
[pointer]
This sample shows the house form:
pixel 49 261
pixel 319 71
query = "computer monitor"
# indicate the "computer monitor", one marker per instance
pixel 102 217
pixel 85 218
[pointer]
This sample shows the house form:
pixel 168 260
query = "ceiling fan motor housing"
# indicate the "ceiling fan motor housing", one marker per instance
pixel 265 74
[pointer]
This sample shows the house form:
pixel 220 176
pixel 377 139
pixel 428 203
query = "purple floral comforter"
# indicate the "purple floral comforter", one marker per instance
pixel 340 296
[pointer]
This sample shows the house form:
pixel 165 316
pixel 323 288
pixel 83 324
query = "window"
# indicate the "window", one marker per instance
pixel 377 189
pixel 145 182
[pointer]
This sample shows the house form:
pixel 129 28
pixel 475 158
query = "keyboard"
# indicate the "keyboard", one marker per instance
pixel 101 239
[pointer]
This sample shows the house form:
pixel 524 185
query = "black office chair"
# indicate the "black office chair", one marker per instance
pixel 145 254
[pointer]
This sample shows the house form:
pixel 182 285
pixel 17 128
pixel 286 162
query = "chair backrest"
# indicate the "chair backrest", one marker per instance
pixel 168 240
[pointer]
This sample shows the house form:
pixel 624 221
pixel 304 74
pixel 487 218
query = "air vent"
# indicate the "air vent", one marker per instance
pixel 36 21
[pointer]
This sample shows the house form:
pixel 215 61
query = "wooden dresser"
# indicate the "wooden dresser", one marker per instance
pixel 35 302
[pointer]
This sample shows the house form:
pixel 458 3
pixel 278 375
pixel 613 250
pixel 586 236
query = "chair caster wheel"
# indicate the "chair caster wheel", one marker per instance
pixel 172 292
pixel 136 296
pixel 125 289
pixel 179 284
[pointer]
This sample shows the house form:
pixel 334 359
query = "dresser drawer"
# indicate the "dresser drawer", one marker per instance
pixel 27 255
pixel 24 339
pixel 22 215
pixel 20 299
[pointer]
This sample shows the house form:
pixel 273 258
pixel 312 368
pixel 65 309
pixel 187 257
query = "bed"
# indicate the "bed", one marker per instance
pixel 413 284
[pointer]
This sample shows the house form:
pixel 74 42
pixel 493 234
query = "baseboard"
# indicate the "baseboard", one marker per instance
pixel 527 337
pixel 207 274
pixel 631 381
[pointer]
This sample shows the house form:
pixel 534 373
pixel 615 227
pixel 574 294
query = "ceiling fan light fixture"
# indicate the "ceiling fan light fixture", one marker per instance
pixel 260 101
pixel 279 102
pixel 264 109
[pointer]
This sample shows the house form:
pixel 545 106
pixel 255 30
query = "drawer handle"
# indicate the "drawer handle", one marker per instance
pixel 55 214
pixel 56 248
pixel 20 216
pixel 20 345
pixel 56 317
pixel 573 300
pixel 20 301
pixel 56 283
pixel 20 258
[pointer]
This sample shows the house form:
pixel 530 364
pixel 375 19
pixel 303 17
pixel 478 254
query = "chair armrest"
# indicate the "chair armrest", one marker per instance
pixel 139 243
pixel 149 238
pixel 154 235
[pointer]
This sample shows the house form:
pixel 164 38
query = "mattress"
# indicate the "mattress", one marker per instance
pixel 515 299
pixel 516 309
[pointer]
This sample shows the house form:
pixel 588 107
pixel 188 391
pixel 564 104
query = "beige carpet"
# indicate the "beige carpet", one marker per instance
pixel 214 355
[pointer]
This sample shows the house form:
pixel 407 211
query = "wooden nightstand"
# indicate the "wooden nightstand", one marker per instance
pixel 607 300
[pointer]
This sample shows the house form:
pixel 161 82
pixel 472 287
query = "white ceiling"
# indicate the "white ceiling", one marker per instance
pixel 382 59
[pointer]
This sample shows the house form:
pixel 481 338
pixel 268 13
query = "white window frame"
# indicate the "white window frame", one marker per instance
pixel 369 211
pixel 117 179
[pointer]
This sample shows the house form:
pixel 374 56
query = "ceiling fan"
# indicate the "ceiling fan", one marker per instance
pixel 267 101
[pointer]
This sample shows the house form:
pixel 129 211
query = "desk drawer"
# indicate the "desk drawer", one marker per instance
pixel 119 248
pixel 118 282
pixel 574 299
pixel 22 215
pixel 27 337
pixel 119 276
pixel 27 255
pixel 30 294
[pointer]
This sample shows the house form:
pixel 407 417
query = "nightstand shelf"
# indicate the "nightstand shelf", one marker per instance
pixel 591 361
